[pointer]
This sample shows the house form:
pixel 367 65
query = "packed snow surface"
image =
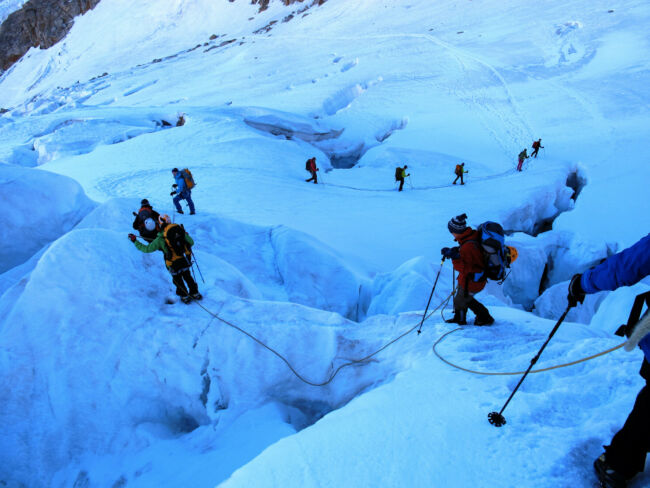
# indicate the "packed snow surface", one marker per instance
pixel 104 384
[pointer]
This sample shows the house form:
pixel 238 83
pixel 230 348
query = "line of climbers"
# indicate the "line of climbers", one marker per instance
pixel 401 175
pixel 161 234
pixel 481 254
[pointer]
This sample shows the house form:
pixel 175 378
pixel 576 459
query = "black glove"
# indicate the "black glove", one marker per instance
pixel 576 293
pixel 172 194
pixel 132 237
pixel 135 214
pixel 174 185
pixel 450 252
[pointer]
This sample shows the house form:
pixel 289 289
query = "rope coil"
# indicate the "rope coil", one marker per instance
pixel 512 373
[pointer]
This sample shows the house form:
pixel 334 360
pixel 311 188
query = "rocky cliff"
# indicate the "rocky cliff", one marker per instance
pixel 39 23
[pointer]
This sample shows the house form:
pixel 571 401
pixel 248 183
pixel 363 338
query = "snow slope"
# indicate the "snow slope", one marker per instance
pixel 106 385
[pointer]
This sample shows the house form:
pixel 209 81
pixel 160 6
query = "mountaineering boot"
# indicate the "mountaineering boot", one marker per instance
pixel 483 317
pixel 196 296
pixel 179 211
pixel 607 476
pixel 186 299
pixel 489 320
pixel 458 318
pixel 192 213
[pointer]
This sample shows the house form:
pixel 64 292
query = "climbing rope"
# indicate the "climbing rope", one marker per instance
pixel 337 370
pixel 485 373
pixel 437 187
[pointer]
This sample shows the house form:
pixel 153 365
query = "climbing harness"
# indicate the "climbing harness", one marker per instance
pixel 342 366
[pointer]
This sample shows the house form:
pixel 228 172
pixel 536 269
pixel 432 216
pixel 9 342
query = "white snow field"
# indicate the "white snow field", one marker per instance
pixel 104 384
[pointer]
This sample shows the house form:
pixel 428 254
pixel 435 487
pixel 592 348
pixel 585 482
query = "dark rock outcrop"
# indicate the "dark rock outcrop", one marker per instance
pixel 264 4
pixel 39 23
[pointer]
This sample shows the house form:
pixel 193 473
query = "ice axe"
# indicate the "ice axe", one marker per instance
pixel 496 418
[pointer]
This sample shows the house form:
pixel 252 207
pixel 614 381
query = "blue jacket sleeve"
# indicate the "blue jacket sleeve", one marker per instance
pixel 180 181
pixel 622 269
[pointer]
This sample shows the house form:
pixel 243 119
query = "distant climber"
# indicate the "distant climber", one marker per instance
pixel 146 221
pixel 523 155
pixel 176 245
pixel 537 145
pixel 459 171
pixel 181 120
pixel 468 260
pixel 625 457
pixel 310 165
pixel 400 175
pixel 183 189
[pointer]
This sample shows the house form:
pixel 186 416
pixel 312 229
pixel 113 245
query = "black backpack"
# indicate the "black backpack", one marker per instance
pixel 492 245
pixel 398 173
pixel 178 251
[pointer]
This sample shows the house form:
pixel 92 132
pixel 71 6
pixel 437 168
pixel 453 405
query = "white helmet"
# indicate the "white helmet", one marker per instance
pixel 150 224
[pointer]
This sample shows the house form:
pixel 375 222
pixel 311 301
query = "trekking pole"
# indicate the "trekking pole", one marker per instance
pixel 197 267
pixel 496 418
pixel 410 182
pixel 431 296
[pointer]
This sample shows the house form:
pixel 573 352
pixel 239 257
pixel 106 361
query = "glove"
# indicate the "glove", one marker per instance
pixel 174 185
pixel 450 252
pixel 132 237
pixel 135 214
pixel 576 293
pixel 172 194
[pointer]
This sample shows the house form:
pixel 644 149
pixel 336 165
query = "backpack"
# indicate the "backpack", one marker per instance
pixel 523 155
pixel 459 170
pixel 308 164
pixel 147 213
pixel 492 244
pixel 398 173
pixel 189 179
pixel 178 253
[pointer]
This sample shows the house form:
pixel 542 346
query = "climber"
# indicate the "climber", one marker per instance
pixel 182 190
pixel 459 171
pixel 626 453
pixel 537 145
pixel 400 174
pixel 146 221
pixel 310 165
pixel 523 155
pixel 468 260
pixel 176 245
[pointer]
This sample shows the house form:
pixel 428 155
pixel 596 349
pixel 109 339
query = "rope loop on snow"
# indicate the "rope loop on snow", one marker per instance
pixel 512 373
pixel 342 366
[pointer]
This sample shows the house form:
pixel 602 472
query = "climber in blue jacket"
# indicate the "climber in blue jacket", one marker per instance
pixel 625 456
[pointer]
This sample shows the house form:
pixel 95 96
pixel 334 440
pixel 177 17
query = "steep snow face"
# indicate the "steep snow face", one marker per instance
pixel 37 207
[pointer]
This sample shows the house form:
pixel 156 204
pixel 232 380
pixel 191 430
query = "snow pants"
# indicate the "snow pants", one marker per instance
pixel 401 184
pixel 627 452
pixel 534 153
pixel 314 177
pixel 182 278
pixel 184 195
pixel 461 179
pixel 464 300
pixel 521 161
